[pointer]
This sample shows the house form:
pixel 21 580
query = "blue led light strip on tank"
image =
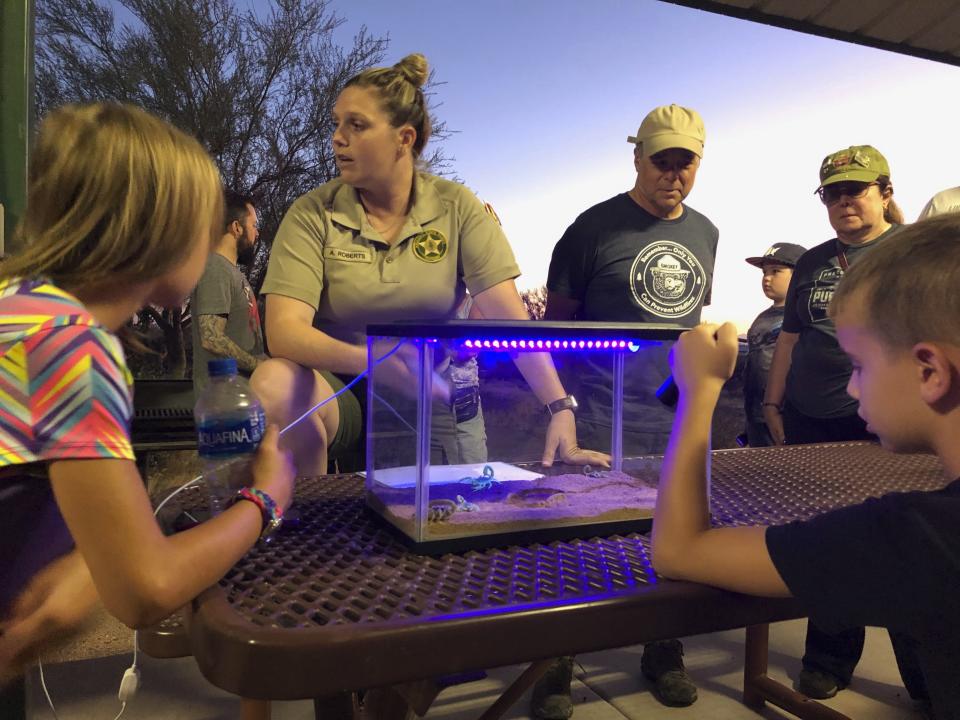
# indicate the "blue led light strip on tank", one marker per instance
pixel 554 344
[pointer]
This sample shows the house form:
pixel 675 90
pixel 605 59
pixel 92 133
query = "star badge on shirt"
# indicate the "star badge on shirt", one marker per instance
pixel 430 246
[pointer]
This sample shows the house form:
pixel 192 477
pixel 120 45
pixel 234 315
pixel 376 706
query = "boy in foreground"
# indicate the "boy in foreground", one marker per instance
pixel 892 562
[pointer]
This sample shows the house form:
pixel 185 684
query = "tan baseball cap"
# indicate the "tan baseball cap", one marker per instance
pixel 670 126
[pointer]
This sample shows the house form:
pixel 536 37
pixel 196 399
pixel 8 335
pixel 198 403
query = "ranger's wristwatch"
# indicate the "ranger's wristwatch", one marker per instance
pixel 565 403
pixel 271 514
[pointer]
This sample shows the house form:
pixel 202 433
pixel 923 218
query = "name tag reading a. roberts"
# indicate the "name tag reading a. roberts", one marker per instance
pixel 356 255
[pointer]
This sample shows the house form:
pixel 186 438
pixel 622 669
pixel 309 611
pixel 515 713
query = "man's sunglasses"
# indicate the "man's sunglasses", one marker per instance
pixel 830 194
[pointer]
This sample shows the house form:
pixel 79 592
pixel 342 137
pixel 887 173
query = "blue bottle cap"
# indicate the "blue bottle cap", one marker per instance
pixel 222 366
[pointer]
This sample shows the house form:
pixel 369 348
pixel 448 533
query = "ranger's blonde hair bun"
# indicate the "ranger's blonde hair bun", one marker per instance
pixel 414 69
pixel 399 89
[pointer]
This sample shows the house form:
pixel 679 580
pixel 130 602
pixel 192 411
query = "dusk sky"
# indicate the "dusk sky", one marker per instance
pixel 543 95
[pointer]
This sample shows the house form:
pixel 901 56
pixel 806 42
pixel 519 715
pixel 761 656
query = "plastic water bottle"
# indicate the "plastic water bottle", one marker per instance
pixel 230 425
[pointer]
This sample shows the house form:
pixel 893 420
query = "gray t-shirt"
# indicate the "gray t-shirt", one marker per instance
pixel 625 265
pixel 223 290
pixel 762 339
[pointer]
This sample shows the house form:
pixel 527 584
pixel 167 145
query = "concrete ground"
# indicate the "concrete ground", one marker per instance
pixel 607 685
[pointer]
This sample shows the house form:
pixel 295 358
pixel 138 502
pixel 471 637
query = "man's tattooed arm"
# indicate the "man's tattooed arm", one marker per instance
pixel 214 340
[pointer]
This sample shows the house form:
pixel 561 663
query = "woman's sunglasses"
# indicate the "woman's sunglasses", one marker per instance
pixel 831 194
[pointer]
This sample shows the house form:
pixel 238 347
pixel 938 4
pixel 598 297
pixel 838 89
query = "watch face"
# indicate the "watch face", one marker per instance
pixel 270 529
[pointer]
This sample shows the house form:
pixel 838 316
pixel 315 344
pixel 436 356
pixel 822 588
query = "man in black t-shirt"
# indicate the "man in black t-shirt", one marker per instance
pixel 642 256
pixel 892 562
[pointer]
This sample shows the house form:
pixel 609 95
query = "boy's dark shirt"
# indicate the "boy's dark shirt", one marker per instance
pixel 819 369
pixel 890 562
pixel 761 338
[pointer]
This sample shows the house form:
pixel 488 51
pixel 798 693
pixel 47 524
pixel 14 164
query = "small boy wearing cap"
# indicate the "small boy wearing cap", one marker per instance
pixel 777 264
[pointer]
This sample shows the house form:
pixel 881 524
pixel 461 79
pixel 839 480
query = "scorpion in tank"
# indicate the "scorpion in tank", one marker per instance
pixel 482 482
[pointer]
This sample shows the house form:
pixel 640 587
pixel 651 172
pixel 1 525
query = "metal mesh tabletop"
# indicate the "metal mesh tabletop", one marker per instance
pixel 344 566
pixel 340 602
pixel 771 486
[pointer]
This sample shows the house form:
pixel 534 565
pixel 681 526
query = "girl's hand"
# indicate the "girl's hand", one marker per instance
pixel 562 436
pixel 704 357
pixel 273 470
pixel 55 604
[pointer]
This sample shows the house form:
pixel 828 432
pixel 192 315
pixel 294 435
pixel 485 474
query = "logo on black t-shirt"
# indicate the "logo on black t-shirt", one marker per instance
pixel 821 293
pixel 667 280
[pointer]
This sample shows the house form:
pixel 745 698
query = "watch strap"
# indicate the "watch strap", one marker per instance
pixel 565 403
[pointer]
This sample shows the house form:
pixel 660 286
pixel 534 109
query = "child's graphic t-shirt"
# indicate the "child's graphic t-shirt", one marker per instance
pixel 65 393
pixel 762 339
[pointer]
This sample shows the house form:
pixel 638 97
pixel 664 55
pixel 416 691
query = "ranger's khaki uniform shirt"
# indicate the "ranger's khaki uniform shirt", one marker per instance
pixel 327 255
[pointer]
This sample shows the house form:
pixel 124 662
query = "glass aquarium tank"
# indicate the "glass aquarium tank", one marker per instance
pixel 455 434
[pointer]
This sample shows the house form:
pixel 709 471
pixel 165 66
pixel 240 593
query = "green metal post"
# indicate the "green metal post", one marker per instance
pixel 16 110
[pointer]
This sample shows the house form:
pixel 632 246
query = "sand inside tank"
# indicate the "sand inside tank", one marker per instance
pixel 563 496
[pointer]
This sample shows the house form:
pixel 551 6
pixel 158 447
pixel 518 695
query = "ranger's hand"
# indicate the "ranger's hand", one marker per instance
pixel 562 437
pixel 398 369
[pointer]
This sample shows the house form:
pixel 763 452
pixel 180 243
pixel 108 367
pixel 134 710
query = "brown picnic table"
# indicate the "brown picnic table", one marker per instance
pixel 340 603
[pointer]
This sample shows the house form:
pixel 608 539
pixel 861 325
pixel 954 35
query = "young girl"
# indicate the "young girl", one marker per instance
pixel 120 213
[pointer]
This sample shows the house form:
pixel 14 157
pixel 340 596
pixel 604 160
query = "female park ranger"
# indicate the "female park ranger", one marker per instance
pixel 383 242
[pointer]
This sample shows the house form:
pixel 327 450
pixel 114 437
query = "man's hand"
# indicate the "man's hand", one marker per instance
pixel 55 603
pixel 704 358
pixel 562 436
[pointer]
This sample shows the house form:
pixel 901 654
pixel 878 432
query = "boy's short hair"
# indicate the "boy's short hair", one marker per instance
pixel 908 285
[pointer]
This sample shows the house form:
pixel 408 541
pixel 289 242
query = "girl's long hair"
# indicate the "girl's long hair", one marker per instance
pixel 115 196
